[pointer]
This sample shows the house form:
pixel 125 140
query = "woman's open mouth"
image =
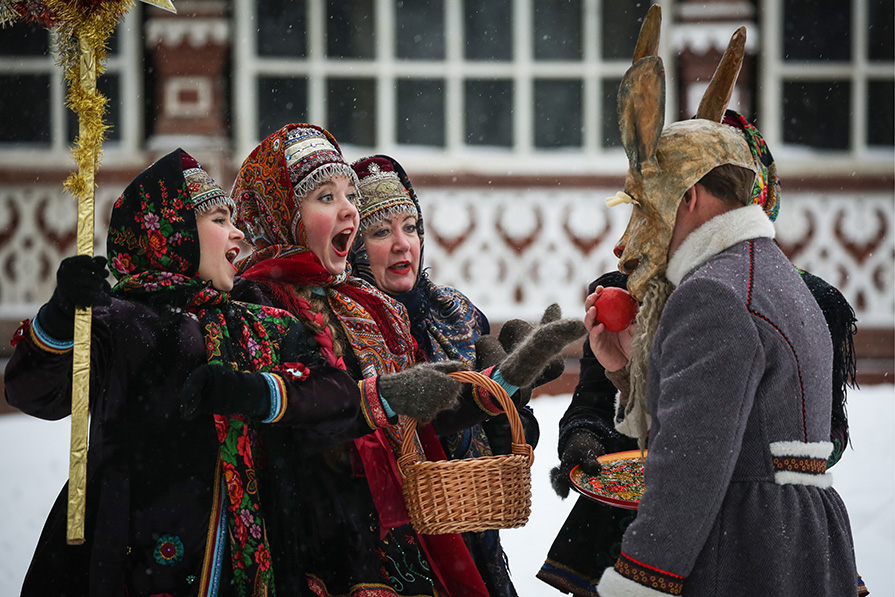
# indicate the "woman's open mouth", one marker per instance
pixel 231 255
pixel 402 267
pixel 341 240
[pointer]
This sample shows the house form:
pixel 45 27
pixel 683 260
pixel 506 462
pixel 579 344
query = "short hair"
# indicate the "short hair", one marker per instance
pixel 731 184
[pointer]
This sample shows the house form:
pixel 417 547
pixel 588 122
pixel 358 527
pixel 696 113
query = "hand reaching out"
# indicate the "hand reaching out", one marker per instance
pixel 612 349
pixel 542 345
pixel 514 331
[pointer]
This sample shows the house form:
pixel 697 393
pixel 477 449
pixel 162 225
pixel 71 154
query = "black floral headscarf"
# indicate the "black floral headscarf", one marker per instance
pixel 153 240
pixel 153 250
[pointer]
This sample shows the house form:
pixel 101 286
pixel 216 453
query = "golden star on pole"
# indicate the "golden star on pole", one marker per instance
pixel 164 4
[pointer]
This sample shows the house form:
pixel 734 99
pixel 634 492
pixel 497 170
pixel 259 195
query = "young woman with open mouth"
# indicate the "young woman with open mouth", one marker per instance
pixel 348 531
pixel 181 378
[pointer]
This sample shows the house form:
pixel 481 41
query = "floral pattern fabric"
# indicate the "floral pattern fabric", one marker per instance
pixel 153 250
pixel 766 188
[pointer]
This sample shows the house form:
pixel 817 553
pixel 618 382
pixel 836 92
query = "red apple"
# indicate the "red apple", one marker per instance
pixel 616 309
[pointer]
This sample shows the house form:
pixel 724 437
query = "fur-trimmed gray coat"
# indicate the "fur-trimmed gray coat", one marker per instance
pixel 737 499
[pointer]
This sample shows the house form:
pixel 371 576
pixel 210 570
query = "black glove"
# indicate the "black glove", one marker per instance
pixel 422 391
pixel 582 448
pixel 80 281
pixel 217 389
pixel 500 437
pixel 542 345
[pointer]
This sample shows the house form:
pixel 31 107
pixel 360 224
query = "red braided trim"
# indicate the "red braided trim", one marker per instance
pixel 371 403
pixel 483 398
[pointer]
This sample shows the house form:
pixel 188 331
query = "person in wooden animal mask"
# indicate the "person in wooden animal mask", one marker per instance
pixel 730 368
pixel 666 161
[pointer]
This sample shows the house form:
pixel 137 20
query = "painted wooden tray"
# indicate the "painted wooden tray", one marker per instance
pixel 619 484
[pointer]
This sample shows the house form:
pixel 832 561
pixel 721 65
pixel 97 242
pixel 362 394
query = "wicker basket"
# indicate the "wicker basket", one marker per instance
pixel 473 494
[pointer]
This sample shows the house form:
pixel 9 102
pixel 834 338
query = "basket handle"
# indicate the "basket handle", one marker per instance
pixel 519 447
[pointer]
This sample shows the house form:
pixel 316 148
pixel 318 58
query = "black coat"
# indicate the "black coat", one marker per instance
pixel 150 473
pixel 590 538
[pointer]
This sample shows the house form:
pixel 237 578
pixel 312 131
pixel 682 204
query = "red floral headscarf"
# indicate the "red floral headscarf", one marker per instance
pixel 271 183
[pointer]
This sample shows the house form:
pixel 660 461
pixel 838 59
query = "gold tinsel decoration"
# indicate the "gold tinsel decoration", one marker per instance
pixel 83 23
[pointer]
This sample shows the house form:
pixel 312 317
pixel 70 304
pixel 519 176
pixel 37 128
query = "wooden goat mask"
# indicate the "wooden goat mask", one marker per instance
pixel 666 161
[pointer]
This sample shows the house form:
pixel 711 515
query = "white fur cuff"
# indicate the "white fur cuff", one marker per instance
pixel 802 463
pixel 823 481
pixel 806 450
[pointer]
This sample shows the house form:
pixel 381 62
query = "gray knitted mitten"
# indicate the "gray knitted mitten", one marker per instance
pixel 488 352
pixel 552 313
pixel 544 343
pixel 422 391
pixel 515 330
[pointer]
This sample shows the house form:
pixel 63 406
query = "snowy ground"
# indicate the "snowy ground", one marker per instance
pixel 35 465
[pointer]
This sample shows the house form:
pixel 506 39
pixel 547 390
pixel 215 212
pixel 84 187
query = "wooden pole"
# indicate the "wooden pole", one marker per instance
pixel 80 399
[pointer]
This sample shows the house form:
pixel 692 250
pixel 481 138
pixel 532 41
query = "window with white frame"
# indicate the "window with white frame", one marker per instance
pixel 33 115
pixel 528 80
pixel 828 78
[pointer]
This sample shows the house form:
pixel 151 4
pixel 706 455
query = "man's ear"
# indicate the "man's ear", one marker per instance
pixel 689 199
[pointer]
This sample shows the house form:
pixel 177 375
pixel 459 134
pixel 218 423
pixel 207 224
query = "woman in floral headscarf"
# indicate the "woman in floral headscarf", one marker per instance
pixel 295 198
pixel 173 505
pixel 388 253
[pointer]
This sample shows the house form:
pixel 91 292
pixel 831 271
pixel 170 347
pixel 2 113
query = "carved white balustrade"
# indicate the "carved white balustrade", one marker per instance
pixel 512 251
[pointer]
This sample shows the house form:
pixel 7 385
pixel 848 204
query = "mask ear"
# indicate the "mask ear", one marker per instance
pixel 717 95
pixel 648 40
pixel 641 111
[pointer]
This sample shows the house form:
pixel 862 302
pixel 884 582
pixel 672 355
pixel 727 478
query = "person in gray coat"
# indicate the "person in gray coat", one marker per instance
pixel 727 377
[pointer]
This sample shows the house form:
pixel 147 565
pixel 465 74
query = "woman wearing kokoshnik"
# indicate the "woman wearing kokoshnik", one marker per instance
pixel 388 253
pixel 173 505
pixel 295 197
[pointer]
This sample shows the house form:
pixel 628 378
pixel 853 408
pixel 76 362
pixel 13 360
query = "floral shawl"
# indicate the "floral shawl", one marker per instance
pixel 153 250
